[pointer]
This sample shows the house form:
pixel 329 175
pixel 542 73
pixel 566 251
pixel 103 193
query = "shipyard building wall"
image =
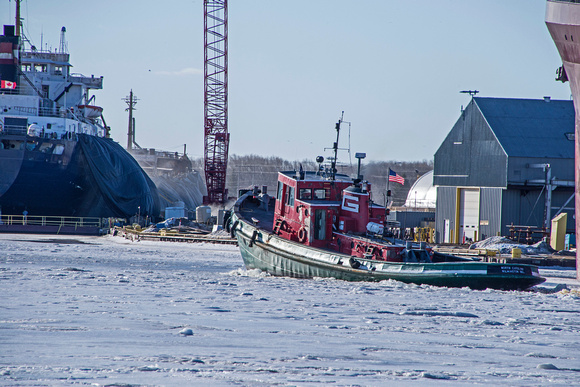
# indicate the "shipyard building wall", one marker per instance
pixel 445 214
pixel 524 206
pixel 470 155
pixel 490 212
pixel 412 219
pixel 522 172
pixel 498 210
pixel 449 211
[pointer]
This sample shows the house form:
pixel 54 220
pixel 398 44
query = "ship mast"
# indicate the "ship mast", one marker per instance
pixel 18 22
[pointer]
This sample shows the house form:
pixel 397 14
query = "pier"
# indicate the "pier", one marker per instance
pixel 65 225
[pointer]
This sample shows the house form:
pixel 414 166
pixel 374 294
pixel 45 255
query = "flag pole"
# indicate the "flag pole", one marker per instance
pixel 387 195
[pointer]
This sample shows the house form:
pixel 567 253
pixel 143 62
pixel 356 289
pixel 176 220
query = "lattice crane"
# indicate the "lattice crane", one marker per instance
pixel 216 135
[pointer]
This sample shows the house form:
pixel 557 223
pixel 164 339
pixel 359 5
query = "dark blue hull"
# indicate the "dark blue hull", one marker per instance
pixel 86 176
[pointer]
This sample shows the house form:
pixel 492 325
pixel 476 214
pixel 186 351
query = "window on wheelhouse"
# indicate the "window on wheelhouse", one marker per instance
pixel 305 194
pixel 280 190
pixel 321 194
pixel 320 225
pixel 290 197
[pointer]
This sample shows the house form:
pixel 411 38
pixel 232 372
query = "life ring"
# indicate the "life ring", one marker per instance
pixel 354 263
pixel 302 235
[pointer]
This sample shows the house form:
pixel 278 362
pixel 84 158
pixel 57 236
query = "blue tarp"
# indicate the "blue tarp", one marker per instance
pixel 125 189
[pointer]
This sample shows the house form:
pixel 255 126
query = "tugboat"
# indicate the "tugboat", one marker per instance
pixel 325 224
pixel 56 157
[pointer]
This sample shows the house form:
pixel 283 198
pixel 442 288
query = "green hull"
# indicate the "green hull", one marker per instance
pixel 263 250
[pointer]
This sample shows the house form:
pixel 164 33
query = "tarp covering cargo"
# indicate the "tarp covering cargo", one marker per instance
pixel 188 188
pixel 125 189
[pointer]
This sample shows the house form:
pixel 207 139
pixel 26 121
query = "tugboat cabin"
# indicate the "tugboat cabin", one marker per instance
pixel 331 213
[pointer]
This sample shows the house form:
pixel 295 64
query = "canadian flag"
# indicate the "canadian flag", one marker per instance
pixel 7 85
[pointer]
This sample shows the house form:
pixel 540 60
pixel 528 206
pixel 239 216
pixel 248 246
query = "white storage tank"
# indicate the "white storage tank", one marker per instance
pixel 202 214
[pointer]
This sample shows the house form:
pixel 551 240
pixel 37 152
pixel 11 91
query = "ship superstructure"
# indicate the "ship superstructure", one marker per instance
pixel 38 86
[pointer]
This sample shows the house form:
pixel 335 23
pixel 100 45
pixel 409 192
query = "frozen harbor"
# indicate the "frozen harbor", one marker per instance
pixel 106 311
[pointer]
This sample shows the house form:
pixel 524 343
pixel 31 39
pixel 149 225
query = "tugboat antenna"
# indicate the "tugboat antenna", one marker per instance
pixel 335 148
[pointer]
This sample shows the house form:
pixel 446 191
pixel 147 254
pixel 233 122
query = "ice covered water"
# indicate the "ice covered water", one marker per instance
pixel 106 311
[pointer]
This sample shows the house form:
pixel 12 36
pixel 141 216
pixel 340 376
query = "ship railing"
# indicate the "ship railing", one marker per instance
pixel 30 56
pixel 13 129
pixel 46 112
pixel 18 90
pixel 91 82
pixel 30 111
pixel 59 221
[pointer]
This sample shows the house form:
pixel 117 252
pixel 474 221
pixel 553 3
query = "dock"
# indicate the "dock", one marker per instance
pixel 220 237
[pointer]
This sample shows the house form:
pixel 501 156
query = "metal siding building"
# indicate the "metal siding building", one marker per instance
pixel 493 152
pixel 445 214
pixel 490 219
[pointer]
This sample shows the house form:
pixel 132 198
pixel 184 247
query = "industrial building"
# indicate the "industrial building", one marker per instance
pixel 505 163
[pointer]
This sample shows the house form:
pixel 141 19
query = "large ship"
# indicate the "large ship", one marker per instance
pixel 56 156
pixel 563 22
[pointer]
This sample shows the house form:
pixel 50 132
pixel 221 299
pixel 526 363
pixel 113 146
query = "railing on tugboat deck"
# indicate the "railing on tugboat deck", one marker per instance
pixel 60 221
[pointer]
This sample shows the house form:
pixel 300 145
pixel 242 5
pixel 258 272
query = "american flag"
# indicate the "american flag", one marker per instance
pixel 393 176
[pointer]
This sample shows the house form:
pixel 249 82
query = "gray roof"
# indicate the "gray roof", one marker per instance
pixel 530 127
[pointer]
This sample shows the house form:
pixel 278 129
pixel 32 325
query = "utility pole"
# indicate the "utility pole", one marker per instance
pixel 131 101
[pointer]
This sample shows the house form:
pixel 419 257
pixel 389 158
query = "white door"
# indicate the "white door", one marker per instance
pixel 446 232
pixel 469 215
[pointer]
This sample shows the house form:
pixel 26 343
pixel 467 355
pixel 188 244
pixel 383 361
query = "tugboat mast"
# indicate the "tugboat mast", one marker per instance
pixel 335 148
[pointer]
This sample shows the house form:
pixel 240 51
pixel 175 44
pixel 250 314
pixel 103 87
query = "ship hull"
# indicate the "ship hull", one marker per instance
pixel 34 183
pixel 67 177
pixel 563 22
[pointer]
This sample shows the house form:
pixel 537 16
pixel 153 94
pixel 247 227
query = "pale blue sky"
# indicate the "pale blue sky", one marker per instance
pixel 394 67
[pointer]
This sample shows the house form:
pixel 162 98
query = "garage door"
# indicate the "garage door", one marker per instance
pixel 469 215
